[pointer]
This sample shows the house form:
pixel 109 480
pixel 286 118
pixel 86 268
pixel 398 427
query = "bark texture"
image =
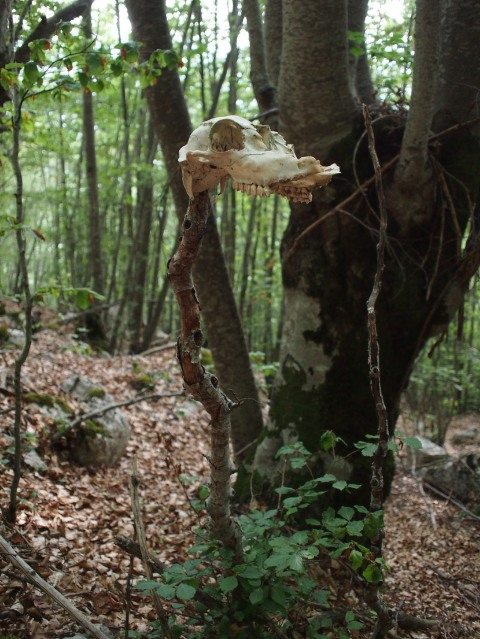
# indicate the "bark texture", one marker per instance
pixel 319 103
pixel 273 38
pixel 323 381
pixel 225 336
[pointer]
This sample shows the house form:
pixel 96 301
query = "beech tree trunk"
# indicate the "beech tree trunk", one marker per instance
pixel 327 271
pixel 224 330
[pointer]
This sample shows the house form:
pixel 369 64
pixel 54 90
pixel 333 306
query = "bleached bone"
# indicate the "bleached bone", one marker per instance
pixel 257 159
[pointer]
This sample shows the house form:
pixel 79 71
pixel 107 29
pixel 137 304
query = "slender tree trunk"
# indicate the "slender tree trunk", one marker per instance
pixel 95 224
pixel 225 337
pixel 360 77
pixel 141 247
pixel 246 256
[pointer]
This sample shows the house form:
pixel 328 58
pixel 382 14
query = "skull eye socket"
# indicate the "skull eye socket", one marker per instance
pixel 226 135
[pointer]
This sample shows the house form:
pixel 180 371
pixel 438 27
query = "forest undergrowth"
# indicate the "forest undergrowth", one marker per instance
pixel 69 516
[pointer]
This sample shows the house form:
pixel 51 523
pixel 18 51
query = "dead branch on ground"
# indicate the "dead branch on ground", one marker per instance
pixel 39 583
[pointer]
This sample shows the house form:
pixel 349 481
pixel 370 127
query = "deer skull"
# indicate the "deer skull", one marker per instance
pixel 257 159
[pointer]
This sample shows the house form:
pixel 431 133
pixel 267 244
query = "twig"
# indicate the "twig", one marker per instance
pixel 49 590
pixel 128 597
pixel 157 349
pixel 451 499
pixel 202 385
pixel 133 548
pixel 142 542
pixel 365 185
pixel 385 621
pixel 104 409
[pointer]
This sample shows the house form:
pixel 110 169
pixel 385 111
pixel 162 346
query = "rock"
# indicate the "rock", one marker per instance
pixel 187 408
pixel 16 337
pixel 429 453
pixel 101 440
pixel 467 436
pixel 458 477
pixel 160 338
pixel 33 460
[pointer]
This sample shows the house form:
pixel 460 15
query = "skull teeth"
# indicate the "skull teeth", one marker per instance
pixel 251 189
pixel 291 192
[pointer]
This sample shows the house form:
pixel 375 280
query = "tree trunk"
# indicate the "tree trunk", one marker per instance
pixel 225 336
pixel 141 248
pixel 323 382
pixel 94 223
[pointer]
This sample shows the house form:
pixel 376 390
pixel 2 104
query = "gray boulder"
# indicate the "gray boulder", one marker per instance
pixel 33 460
pixel 102 439
pixel 466 437
pixel 430 453
pixel 458 477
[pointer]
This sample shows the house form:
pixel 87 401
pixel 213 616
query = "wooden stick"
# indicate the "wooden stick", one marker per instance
pixel 142 542
pixel 200 384
pixel 49 590
pixel 158 349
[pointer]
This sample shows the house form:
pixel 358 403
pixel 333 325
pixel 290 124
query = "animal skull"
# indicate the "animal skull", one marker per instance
pixel 257 159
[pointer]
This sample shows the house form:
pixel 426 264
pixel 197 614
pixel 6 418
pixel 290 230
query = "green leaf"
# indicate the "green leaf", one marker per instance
pixel 256 596
pixel 328 477
pixel 296 563
pixel 355 559
pixel 284 490
pixel 166 591
pixel 248 572
pixel 413 442
pixel 341 484
pixel 203 492
pixel 328 440
pixel 145 584
pixel 227 584
pixel 31 72
pixel 186 592
pixel 279 595
pixel 346 512
pixel 373 574
pixel 355 528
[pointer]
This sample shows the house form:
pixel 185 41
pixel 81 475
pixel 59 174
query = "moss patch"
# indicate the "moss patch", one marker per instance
pixel 96 391
pixel 3 333
pixel 48 401
pixel 142 381
pixel 92 428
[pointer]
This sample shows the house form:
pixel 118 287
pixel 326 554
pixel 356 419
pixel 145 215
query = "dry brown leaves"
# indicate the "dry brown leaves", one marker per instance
pixel 69 516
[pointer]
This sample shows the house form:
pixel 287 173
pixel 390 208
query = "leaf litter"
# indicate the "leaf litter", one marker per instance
pixel 69 516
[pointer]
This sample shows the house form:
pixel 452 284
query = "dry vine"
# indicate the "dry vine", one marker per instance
pixel 386 617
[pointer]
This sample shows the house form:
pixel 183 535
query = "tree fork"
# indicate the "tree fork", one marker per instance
pixel 202 385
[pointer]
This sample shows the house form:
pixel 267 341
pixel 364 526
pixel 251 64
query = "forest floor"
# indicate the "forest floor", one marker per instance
pixel 69 516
